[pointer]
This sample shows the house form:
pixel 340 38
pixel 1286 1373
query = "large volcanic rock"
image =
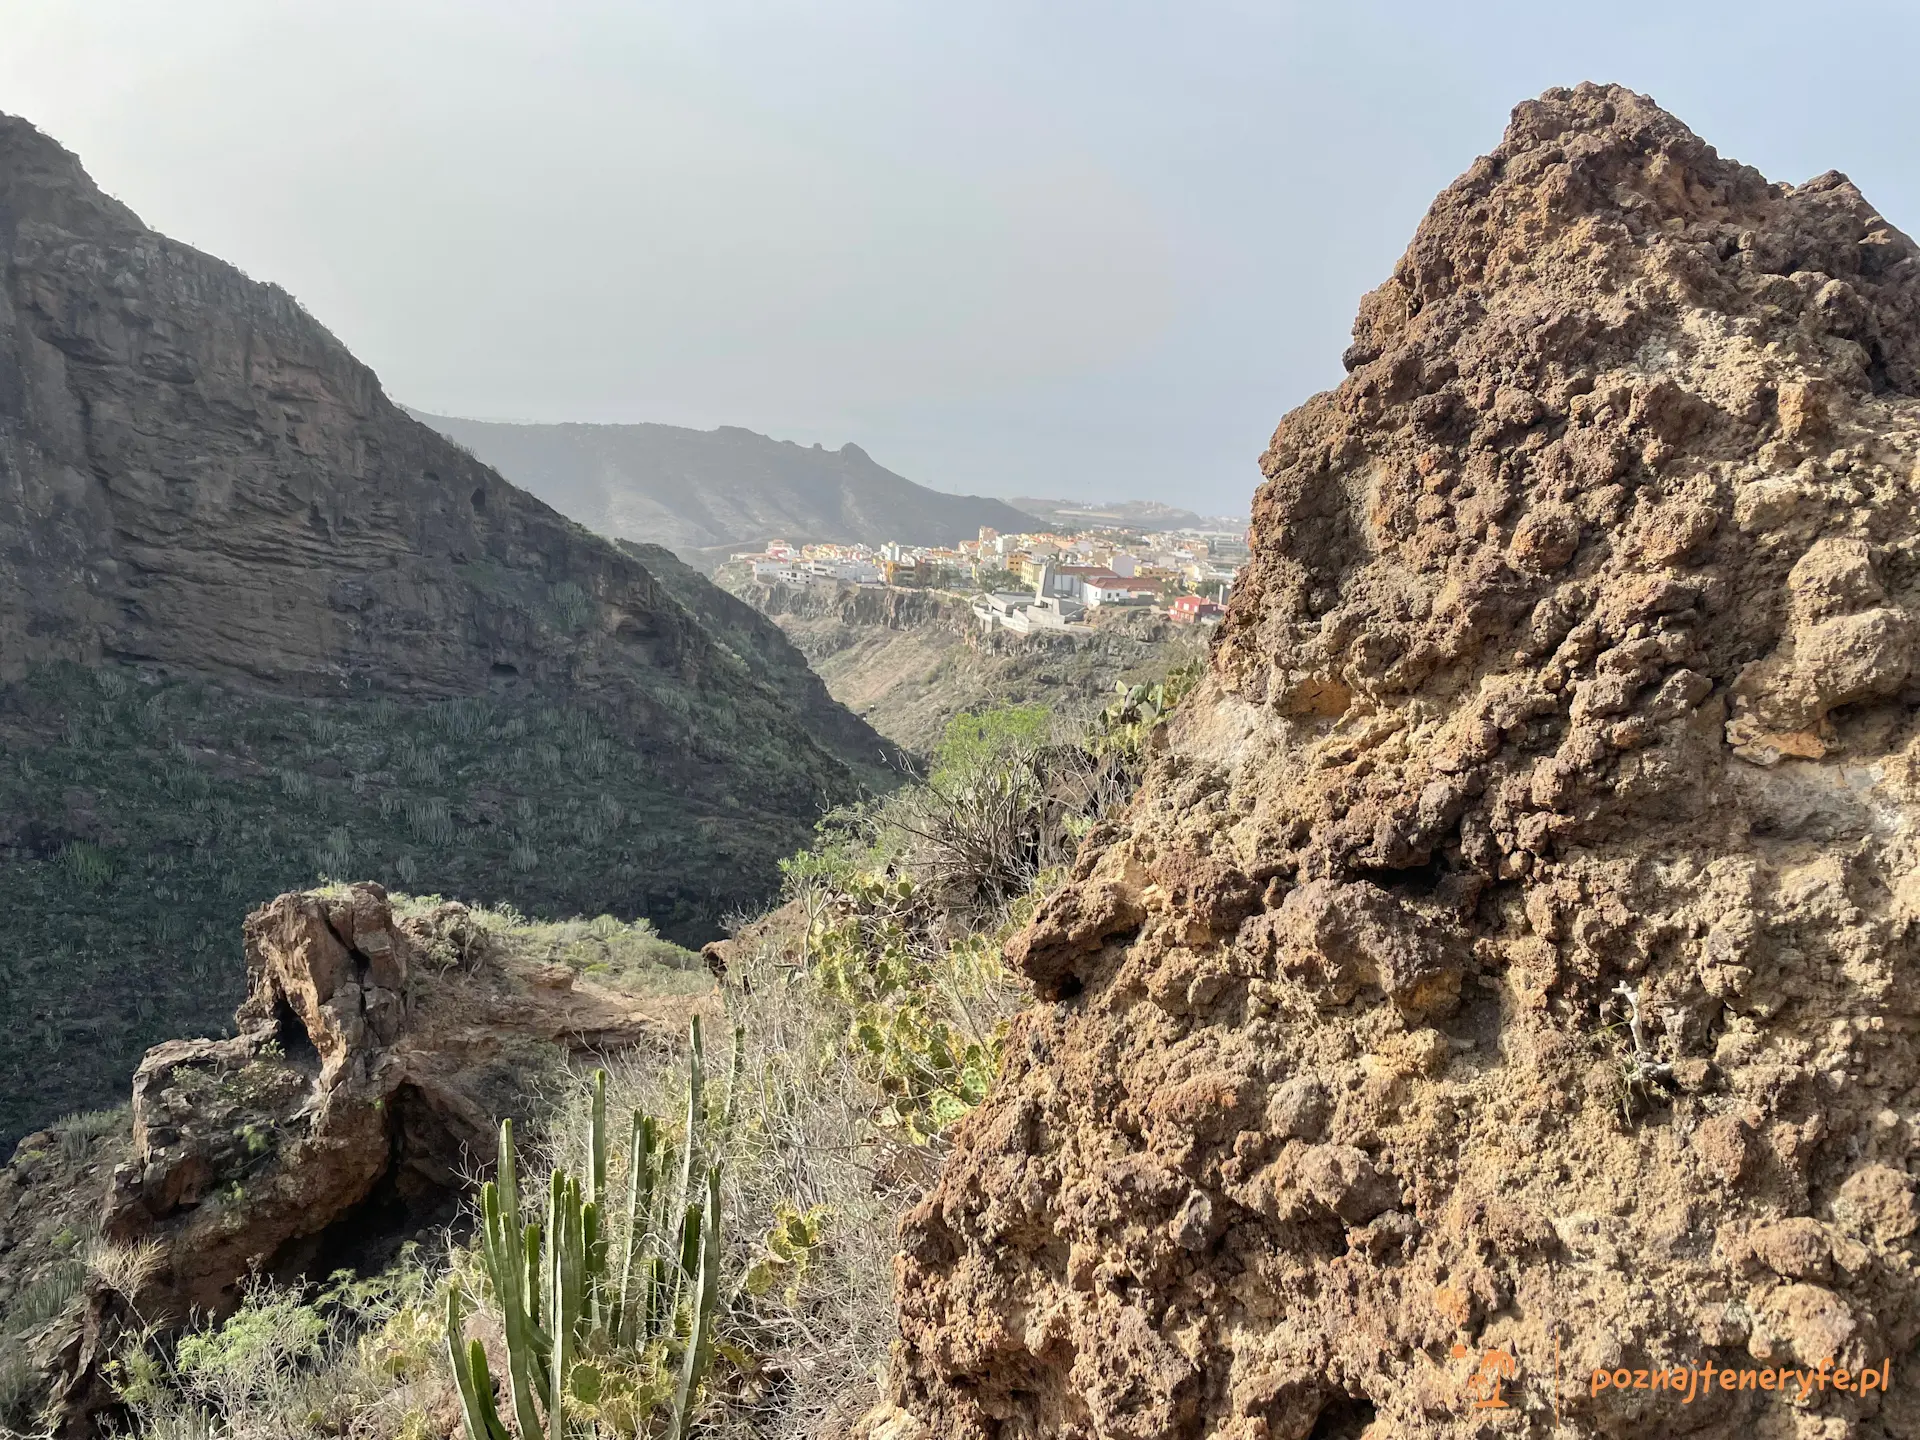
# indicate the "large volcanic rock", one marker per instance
pixel 1515 950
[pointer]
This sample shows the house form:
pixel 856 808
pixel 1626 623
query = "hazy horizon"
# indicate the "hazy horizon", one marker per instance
pixel 1085 252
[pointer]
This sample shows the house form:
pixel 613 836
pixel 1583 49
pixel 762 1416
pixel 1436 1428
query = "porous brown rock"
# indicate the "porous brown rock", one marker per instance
pixel 374 1058
pixel 1563 731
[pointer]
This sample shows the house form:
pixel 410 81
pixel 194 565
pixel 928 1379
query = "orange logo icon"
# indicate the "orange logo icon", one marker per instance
pixel 1490 1378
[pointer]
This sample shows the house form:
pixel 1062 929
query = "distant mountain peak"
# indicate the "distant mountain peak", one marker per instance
pixel 704 493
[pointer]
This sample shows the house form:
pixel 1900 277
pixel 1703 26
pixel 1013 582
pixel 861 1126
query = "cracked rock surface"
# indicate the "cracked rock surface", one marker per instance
pixel 1515 946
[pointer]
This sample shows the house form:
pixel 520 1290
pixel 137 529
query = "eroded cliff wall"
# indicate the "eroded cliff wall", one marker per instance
pixel 194 472
pixel 1515 950
pixel 257 624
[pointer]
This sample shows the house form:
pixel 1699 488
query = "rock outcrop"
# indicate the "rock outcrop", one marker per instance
pixel 373 1060
pixel 1509 972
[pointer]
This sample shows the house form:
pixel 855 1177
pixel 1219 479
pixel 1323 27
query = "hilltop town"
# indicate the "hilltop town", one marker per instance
pixel 1028 582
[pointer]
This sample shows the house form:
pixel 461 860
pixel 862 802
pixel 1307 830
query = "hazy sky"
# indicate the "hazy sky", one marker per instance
pixel 1009 246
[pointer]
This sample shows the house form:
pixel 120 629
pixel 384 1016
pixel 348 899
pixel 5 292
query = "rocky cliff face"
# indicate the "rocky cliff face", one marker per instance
pixel 870 606
pixel 193 472
pixel 1515 951
pixel 257 624
pixel 774 659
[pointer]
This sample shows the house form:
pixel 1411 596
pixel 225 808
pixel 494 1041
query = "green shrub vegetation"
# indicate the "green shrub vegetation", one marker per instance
pixel 1123 726
pixel 906 902
pixel 349 1357
pixel 141 818
pixel 727 1275
pixel 977 741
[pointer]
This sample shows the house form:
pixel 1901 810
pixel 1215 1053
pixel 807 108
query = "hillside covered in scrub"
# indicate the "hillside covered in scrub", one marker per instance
pixel 287 1235
pixel 257 625
pixel 908 661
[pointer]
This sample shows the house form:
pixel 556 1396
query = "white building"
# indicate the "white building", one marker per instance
pixel 855 572
pixel 1000 609
pixel 1052 612
pixel 1113 590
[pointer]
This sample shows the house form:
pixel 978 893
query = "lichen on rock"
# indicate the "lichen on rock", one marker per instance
pixel 1515 948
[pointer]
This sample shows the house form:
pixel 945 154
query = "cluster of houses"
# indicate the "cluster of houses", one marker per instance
pixel 1063 594
pixel 781 562
pixel 1032 582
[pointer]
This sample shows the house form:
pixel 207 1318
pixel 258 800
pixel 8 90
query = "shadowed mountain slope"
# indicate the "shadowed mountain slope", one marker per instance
pixel 257 623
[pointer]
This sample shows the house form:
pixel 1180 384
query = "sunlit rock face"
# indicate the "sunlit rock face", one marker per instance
pixel 1514 949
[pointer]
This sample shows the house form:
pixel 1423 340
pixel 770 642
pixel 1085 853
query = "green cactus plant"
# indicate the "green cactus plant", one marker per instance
pixel 583 1301
pixel 471 1375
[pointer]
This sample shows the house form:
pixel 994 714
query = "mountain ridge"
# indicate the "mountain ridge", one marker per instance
pixel 703 493
pixel 1151 515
